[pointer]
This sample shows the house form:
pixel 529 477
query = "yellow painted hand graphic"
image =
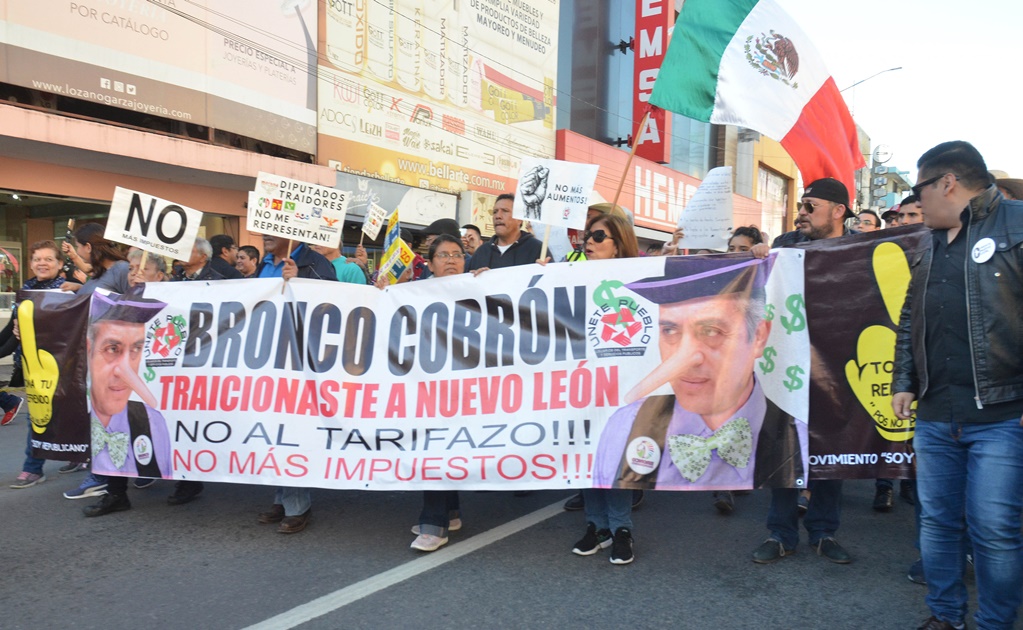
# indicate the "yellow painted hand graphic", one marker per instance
pixel 870 374
pixel 41 370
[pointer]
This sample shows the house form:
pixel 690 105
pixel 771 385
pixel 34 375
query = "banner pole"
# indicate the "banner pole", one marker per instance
pixel 628 162
pixel 546 239
pixel 142 262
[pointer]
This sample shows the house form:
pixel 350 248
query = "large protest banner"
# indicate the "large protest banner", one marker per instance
pixel 667 373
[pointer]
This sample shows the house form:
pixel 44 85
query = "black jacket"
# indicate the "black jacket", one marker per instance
pixel 225 269
pixel 994 302
pixel 310 265
pixel 206 273
pixel 524 251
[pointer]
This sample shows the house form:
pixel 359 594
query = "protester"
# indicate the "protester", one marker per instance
pixel 822 214
pixel 344 270
pixel 957 355
pixel 744 238
pixel 891 217
pixel 868 221
pixel 472 238
pixel 247 260
pixel 510 246
pixel 909 211
pixel 199 265
pixel 441 512
pixel 44 260
pixel 155 271
pixel 225 256
pixel 608 511
pixel 292 507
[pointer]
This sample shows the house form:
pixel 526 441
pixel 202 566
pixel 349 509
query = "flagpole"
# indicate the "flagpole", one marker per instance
pixel 628 163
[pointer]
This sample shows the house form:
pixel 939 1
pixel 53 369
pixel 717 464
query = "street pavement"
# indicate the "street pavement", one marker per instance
pixel 209 564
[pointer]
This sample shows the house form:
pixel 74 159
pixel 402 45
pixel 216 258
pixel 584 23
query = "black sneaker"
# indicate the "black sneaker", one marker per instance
pixel 884 499
pixel 184 492
pixel 771 550
pixel 109 503
pixel 593 541
pixel 575 502
pixel 621 550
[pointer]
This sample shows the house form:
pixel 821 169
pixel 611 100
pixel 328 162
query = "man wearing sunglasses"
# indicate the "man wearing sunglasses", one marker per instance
pixel 822 214
pixel 959 355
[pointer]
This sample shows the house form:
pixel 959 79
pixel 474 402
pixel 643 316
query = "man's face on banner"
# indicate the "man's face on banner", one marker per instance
pixel 713 333
pixel 114 349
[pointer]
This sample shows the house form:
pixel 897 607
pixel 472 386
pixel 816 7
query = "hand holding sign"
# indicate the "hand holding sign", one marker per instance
pixel 41 370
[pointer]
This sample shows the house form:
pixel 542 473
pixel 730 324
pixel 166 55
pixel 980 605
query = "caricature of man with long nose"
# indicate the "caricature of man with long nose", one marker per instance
pixel 128 437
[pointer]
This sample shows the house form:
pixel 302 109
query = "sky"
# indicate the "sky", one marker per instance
pixel 960 79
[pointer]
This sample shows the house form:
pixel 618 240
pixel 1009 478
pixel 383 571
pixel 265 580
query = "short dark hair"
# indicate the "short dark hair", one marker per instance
pixel 220 242
pixel 508 196
pixel 443 238
pixel 870 212
pixel 959 158
pixel 473 226
pixel 251 252
pixel 908 200
pixel 751 232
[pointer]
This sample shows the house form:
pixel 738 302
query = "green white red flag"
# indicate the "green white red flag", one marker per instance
pixel 747 63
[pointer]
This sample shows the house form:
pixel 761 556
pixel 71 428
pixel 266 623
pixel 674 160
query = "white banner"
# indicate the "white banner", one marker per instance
pixel 152 224
pixel 297 210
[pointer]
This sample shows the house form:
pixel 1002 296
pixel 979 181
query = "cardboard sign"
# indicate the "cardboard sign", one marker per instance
pixel 707 218
pixel 397 259
pixel 152 224
pixel 374 220
pixel 297 210
pixel 554 192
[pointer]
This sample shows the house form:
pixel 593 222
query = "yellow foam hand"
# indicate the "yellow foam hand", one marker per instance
pixel 870 373
pixel 40 368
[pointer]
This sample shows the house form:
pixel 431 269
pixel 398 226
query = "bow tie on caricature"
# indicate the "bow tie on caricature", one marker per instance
pixel 691 453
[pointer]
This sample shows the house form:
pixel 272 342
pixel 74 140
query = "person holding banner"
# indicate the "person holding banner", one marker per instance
pixel 129 438
pixel 958 357
pixel 510 245
pixel 441 512
pixel 292 507
pixel 608 511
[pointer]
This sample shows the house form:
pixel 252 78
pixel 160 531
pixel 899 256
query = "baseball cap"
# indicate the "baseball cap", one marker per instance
pixel 830 189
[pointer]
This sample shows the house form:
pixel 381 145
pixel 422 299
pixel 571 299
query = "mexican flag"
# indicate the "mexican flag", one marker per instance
pixel 747 63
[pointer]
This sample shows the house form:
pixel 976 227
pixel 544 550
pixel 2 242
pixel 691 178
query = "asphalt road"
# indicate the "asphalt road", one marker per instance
pixel 209 564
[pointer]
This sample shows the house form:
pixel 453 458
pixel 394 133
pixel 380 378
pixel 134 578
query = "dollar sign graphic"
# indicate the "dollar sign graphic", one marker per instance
pixel 798 321
pixel 767 365
pixel 150 374
pixel 769 312
pixel 605 298
pixel 793 373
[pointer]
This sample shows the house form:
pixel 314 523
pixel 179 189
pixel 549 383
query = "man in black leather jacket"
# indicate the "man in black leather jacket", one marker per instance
pixel 959 353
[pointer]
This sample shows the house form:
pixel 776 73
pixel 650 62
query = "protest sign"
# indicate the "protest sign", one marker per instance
pixel 297 210
pixel 152 224
pixel 554 192
pixel 707 218
pixel 374 220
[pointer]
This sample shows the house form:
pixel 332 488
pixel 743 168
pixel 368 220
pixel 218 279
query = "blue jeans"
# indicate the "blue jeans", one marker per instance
pixel 822 518
pixel 32 465
pixel 296 501
pixel 439 507
pixel 8 400
pixel 970 479
pixel 608 509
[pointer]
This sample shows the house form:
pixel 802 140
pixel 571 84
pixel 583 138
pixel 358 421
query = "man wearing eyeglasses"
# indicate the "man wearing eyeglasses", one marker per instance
pixel 959 355
pixel 822 214
pixel 868 221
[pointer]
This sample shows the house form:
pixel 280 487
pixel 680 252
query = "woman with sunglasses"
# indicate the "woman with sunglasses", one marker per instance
pixel 608 512
pixel 440 514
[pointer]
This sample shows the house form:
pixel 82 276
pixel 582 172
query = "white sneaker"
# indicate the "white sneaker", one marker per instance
pixel 426 542
pixel 453 526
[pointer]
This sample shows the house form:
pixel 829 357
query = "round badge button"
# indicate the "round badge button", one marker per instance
pixel 643 455
pixel 983 250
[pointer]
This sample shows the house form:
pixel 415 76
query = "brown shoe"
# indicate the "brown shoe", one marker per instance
pixel 274 515
pixel 294 524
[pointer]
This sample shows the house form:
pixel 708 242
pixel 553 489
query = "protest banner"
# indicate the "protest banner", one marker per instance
pixel 707 218
pixel 554 192
pixel 152 224
pixel 297 210
pixel 53 328
pixel 670 373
